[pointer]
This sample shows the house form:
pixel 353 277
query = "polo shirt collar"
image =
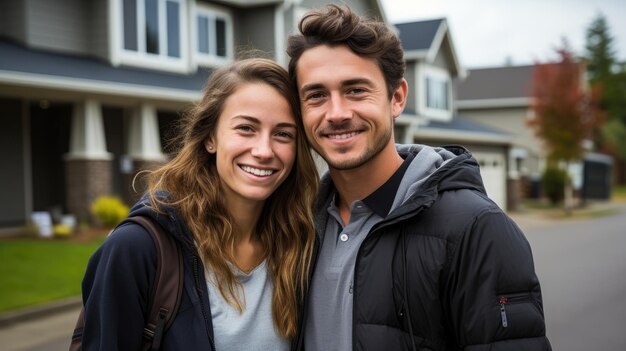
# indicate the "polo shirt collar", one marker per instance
pixel 381 200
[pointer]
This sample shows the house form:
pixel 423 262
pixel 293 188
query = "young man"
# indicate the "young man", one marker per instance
pixel 413 255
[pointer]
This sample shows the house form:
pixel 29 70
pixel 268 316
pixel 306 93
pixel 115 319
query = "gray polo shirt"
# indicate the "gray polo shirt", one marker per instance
pixel 329 322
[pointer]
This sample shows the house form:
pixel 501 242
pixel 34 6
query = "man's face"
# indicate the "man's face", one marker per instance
pixel 347 113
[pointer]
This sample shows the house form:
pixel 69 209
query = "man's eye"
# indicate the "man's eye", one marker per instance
pixel 356 91
pixel 314 96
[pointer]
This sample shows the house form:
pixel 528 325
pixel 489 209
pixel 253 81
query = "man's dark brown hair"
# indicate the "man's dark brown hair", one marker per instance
pixel 338 25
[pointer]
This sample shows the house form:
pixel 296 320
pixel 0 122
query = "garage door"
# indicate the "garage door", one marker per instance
pixel 493 172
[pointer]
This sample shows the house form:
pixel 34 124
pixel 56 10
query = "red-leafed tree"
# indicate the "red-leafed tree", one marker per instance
pixel 565 111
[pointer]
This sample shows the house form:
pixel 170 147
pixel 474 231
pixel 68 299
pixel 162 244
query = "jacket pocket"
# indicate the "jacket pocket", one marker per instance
pixel 519 315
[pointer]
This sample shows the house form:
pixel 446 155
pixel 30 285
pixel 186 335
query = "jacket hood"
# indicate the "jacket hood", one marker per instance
pixel 432 170
pixel 167 216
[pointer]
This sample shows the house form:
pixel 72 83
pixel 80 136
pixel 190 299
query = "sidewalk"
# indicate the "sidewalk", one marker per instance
pixel 48 327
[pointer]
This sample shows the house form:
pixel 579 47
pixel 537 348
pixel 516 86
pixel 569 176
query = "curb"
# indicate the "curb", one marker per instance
pixel 30 313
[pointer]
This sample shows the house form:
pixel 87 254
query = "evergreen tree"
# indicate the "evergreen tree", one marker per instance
pixel 608 78
pixel 600 53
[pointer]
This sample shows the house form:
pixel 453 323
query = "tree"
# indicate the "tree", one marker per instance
pixel 600 54
pixel 609 78
pixel 564 111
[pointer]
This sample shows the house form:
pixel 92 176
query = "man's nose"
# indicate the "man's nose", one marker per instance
pixel 338 110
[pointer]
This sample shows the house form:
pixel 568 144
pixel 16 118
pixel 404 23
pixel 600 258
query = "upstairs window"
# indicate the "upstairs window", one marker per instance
pixel 214 35
pixel 437 94
pixel 152 31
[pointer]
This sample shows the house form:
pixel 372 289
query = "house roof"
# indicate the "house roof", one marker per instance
pixel 20 65
pixel 496 83
pixel 418 35
pixel 424 40
pixel 461 129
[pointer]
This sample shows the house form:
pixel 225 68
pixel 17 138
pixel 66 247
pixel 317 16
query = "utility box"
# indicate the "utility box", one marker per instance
pixel 596 182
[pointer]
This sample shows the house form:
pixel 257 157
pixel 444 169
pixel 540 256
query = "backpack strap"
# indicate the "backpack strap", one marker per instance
pixel 168 283
pixel 166 291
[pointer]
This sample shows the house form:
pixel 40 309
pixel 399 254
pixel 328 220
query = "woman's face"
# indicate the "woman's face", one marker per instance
pixel 254 144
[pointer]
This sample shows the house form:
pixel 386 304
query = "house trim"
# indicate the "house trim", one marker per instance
pixel 98 87
pixel 494 103
pixel 461 136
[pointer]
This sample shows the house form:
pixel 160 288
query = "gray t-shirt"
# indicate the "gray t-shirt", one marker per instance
pixel 253 329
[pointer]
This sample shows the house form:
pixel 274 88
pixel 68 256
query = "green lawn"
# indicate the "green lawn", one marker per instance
pixel 38 271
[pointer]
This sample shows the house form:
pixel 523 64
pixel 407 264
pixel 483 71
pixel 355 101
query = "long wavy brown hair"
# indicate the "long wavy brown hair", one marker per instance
pixel 285 226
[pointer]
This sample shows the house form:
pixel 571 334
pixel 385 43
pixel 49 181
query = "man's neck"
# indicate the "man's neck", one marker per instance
pixel 356 184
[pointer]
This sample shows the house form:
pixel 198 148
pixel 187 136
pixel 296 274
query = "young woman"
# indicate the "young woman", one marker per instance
pixel 237 197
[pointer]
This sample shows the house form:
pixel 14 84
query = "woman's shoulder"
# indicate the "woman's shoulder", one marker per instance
pixel 130 240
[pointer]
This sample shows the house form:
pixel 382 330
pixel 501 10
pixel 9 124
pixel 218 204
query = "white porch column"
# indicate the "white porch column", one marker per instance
pixel 88 140
pixel 144 142
pixel 88 165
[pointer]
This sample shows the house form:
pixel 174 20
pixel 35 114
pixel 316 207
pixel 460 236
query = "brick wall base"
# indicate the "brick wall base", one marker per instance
pixel 85 181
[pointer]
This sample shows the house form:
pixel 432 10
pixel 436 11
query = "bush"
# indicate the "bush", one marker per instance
pixel 109 210
pixel 553 182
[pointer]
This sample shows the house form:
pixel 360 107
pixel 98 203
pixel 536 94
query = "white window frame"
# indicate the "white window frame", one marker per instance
pixel 212 12
pixel 423 72
pixel 141 58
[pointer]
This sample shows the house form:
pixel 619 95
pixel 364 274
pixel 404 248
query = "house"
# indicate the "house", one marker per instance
pixel 501 97
pixel 91 90
pixel 431 115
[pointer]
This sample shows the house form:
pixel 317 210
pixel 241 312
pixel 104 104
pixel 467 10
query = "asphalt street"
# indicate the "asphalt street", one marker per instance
pixel 581 264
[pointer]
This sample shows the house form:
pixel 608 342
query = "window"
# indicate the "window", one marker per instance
pixel 152 32
pixel 437 95
pixel 213 42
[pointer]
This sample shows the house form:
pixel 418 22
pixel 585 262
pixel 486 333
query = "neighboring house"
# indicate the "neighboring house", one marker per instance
pixel 90 90
pixel 431 114
pixel 501 97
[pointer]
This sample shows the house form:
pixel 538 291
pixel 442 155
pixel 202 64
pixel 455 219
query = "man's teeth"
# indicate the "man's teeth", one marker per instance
pixel 342 136
pixel 257 172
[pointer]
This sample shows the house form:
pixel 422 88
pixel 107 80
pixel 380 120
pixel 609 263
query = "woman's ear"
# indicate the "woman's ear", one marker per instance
pixel 208 145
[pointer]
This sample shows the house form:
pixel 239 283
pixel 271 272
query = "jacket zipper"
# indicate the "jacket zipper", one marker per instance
pixel 375 230
pixel 506 299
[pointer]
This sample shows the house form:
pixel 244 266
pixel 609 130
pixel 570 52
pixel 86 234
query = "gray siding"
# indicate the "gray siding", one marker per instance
pixel 254 29
pixel 98 24
pixel 60 25
pixel 409 75
pixel 12 23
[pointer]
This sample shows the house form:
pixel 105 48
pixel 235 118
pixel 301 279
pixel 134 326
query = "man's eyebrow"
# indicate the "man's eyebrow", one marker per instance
pixel 309 87
pixel 356 81
pixel 345 83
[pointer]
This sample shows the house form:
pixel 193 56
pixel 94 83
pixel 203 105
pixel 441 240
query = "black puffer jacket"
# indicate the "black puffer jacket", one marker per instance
pixel 447 265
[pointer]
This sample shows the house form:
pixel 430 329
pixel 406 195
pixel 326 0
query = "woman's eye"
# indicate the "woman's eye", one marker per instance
pixel 245 128
pixel 285 135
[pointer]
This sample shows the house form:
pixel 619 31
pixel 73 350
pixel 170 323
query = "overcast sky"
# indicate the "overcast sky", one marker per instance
pixel 487 32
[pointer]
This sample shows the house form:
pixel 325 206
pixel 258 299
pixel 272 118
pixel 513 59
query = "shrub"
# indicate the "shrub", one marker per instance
pixel 109 210
pixel 553 182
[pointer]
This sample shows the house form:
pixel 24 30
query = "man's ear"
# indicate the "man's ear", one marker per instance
pixel 209 146
pixel 398 99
